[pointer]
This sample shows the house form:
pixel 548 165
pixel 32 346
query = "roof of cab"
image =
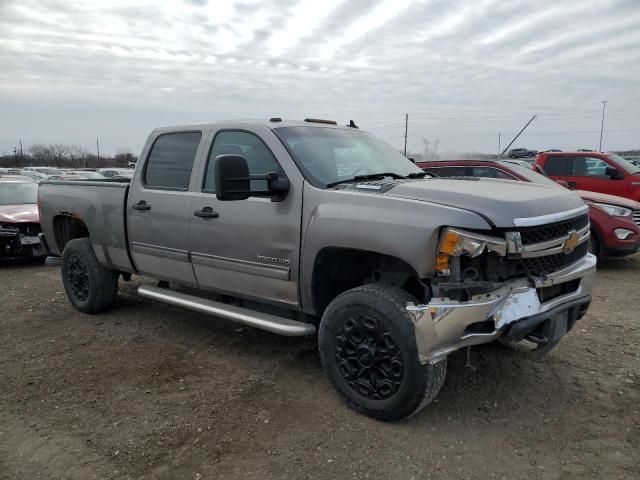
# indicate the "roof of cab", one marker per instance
pixel 269 123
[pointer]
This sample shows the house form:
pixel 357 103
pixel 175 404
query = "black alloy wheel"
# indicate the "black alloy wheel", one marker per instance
pixel 78 278
pixel 368 358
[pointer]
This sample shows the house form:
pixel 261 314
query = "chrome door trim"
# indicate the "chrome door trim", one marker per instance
pixel 243 266
pixel 158 251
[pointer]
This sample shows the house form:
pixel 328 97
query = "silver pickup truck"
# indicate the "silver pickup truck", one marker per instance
pixel 309 227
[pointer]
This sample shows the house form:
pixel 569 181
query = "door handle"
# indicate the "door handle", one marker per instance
pixel 141 205
pixel 206 212
pixel 572 184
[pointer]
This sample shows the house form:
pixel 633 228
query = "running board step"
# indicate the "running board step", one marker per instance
pixel 264 321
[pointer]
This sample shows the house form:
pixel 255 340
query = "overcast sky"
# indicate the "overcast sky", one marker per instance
pixel 74 70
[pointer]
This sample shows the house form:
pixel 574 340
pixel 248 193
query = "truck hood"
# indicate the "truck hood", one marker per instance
pixel 610 199
pixel 27 212
pixel 499 201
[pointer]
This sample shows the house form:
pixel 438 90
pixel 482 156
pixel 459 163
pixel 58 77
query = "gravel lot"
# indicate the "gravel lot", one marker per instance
pixel 152 391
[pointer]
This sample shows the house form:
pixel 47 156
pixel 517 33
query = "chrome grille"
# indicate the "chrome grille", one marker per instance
pixel 550 231
pixel 636 217
pixel 541 266
pixel 546 248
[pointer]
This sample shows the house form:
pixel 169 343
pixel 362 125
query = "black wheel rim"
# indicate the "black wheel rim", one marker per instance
pixel 78 278
pixel 368 358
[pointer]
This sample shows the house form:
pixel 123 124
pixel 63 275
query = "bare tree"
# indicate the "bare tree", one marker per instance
pixel 59 153
pixel 123 157
pixel 431 149
pixel 41 154
pixel 78 156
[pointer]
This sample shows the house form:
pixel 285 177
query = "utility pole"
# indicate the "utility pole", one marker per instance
pixel 98 147
pixel 21 153
pixel 604 104
pixel 516 137
pixel 406 127
pixel 15 156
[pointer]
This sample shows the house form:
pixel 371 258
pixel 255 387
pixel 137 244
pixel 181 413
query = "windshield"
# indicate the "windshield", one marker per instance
pixel 49 171
pixel 627 165
pixel 529 174
pixel 17 193
pixel 329 155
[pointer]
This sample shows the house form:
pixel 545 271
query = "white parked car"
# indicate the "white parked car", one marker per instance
pixel 116 172
pixel 46 170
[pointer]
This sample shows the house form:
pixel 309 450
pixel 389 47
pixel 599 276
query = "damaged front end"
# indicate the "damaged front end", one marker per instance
pixel 20 240
pixel 487 287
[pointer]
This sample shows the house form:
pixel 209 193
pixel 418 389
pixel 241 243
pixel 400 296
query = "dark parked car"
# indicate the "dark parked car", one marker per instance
pixel 521 153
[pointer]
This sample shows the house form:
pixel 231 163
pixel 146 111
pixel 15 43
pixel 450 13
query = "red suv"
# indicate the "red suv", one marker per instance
pixel 594 171
pixel 615 221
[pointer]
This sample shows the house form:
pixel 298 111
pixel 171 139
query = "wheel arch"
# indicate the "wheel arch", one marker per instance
pixel 66 228
pixel 338 269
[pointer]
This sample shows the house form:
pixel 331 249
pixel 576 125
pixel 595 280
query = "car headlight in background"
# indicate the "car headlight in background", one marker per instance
pixel 455 242
pixel 613 210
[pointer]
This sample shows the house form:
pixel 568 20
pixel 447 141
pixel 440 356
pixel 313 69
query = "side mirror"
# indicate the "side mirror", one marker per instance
pixel 232 177
pixel 233 180
pixel 613 173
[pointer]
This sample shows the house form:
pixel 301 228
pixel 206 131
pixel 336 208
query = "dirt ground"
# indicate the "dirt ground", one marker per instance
pixel 152 391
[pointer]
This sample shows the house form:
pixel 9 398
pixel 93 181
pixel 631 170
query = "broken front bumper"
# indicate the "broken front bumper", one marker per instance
pixel 515 310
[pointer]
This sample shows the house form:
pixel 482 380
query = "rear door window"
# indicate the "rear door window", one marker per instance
pixel 171 160
pixel 559 166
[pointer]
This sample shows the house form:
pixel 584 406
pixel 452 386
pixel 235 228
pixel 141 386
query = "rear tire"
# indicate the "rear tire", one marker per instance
pixel 91 288
pixel 369 353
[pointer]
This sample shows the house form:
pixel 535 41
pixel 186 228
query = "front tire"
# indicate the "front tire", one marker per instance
pixel 91 288
pixel 369 353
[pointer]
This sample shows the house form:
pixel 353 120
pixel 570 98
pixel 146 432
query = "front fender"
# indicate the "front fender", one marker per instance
pixel 403 228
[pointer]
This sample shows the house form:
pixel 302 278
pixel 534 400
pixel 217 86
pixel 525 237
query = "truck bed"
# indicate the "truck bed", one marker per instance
pixel 100 205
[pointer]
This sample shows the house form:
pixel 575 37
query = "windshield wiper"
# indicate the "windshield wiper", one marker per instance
pixel 369 176
pixel 417 175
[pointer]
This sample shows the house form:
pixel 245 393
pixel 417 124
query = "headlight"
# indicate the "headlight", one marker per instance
pixel 455 242
pixel 613 210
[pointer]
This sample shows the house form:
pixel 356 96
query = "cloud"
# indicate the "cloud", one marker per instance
pixel 463 70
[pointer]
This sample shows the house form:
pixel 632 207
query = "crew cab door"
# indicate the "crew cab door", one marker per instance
pixel 247 248
pixel 585 172
pixel 159 206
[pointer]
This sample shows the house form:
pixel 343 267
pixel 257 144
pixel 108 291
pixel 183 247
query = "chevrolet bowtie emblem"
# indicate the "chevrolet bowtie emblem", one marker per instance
pixel 571 243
